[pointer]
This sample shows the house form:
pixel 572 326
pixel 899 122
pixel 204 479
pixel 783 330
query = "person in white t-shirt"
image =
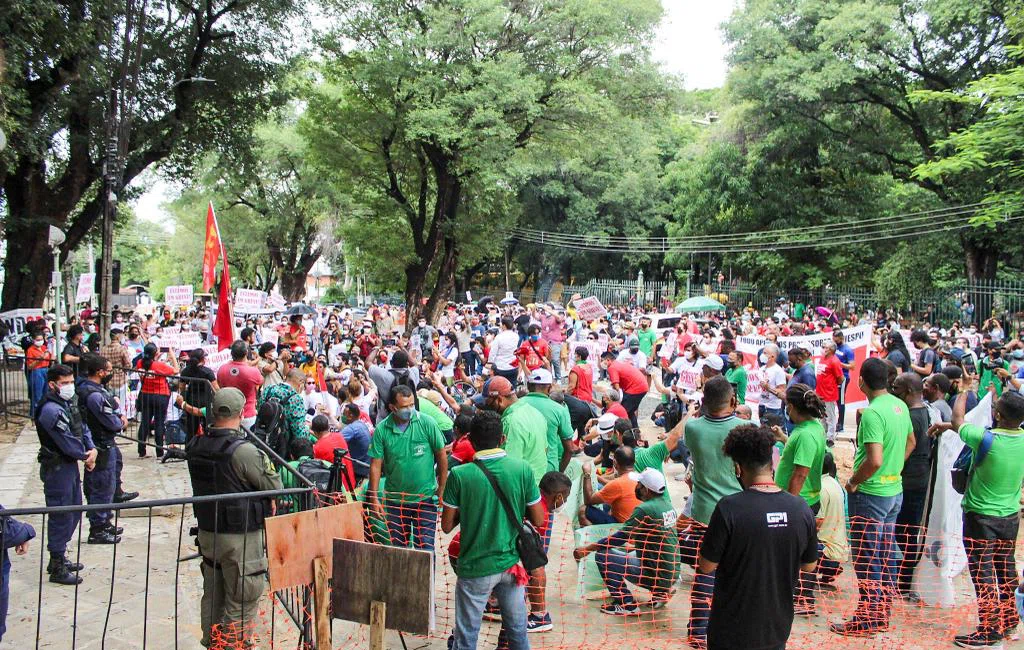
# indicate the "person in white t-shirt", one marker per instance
pixel 631 354
pixel 320 402
pixel 687 368
pixel 773 385
pixel 503 350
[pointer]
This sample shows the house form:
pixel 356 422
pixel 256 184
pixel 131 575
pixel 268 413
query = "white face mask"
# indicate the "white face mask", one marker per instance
pixel 38 343
pixel 763 358
pixel 562 509
pixel 66 392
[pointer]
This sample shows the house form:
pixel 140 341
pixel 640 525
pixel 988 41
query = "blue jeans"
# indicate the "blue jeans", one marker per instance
pixel 873 544
pixel 616 567
pixel 763 410
pixel 415 521
pixel 596 515
pixel 471 596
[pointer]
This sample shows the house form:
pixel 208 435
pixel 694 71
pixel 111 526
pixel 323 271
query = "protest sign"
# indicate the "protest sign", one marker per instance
pixel 16 320
pixel 178 340
pixel 178 295
pixel 276 301
pixel 217 359
pixel 589 308
pixel 271 336
pixel 85 284
pixel 858 338
pixel 248 300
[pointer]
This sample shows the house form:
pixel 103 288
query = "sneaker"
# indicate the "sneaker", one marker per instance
pixel 536 623
pixel 492 612
pixel 620 609
pixel 856 628
pixel 978 639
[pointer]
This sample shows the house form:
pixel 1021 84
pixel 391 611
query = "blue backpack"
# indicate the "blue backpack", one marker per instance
pixel 966 463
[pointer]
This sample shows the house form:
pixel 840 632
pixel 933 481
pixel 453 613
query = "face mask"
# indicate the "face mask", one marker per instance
pixel 690 356
pixel 66 392
pixel 106 380
pixel 634 350
pixel 535 338
pixel 38 343
pixel 486 372
pixel 92 329
pixel 423 323
pixel 404 414
pixel 763 358
pixel 562 509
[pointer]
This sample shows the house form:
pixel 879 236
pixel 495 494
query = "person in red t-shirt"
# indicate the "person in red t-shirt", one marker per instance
pixel 295 336
pixel 629 380
pixel 534 351
pixel 237 373
pixel 326 442
pixel 581 377
pixel 829 377
pixel 154 397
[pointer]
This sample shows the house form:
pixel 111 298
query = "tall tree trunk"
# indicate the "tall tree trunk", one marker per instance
pixel 415 280
pixel 293 284
pixel 445 281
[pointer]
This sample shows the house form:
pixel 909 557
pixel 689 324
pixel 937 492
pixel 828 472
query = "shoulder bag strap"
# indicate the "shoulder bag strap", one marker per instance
pixel 515 521
pixel 984 447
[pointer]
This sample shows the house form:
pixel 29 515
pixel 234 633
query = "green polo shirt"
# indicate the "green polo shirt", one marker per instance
pixel 488 540
pixel 738 378
pixel 559 426
pixel 408 457
pixel 526 436
pixel 653 456
pixel 806 448
pixel 885 421
pixel 994 487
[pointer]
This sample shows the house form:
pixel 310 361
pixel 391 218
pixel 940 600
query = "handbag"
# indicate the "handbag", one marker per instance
pixel 966 462
pixel 529 545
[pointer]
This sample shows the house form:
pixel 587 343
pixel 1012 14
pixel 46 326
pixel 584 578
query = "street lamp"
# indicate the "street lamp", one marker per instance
pixel 55 239
pixel 316 278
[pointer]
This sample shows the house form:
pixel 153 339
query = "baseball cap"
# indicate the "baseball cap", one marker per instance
pixel 228 402
pixel 541 376
pixel 653 480
pixel 714 361
pixel 956 353
pixel 606 423
pixel 432 395
pixel 498 386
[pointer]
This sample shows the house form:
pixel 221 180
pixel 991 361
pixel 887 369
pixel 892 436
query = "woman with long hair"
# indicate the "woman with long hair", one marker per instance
pixel 154 396
pixel 896 351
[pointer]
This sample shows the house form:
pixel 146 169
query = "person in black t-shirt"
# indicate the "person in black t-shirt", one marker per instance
pixel 756 543
pixel 917 470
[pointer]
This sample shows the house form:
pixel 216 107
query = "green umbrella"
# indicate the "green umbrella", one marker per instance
pixel 699 304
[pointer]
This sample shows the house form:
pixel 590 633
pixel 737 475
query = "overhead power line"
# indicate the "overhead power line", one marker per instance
pixel 878 229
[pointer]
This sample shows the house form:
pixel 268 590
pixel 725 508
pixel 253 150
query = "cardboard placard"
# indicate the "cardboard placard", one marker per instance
pixel 85 284
pixel 295 540
pixel 589 308
pixel 179 295
pixel 248 299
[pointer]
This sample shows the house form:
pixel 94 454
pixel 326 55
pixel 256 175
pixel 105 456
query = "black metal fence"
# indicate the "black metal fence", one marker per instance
pixel 143 592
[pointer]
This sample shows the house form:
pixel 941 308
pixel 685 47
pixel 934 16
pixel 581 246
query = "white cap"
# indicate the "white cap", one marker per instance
pixel 653 480
pixel 540 376
pixel 606 422
pixel 715 362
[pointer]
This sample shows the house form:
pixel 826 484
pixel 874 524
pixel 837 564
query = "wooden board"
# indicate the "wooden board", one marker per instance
pixel 400 577
pixel 295 540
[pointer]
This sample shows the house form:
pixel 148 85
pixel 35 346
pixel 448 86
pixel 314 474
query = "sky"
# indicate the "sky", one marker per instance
pixel 689 43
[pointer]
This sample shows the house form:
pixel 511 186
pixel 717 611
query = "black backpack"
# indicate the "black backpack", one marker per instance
pixel 270 426
pixel 317 472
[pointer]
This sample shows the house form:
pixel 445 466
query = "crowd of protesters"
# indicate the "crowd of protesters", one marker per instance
pixel 482 410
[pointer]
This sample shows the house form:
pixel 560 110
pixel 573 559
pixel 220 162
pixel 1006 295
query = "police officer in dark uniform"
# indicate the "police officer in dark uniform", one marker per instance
pixel 64 440
pixel 99 410
pixel 230 531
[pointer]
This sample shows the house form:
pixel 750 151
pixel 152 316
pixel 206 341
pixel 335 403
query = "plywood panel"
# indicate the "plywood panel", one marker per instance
pixel 400 577
pixel 295 540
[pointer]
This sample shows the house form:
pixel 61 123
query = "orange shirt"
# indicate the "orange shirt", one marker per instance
pixel 37 357
pixel 620 494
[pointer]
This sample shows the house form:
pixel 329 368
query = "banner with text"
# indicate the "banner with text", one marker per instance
pixel 248 300
pixel 85 285
pixel 589 308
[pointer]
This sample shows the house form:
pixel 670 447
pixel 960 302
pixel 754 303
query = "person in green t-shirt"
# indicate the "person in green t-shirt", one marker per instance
pixel 487 545
pixel 525 428
pixel 408 449
pixel 713 473
pixel 885 437
pixel 655 455
pixel 427 407
pixel 654 562
pixel 799 470
pixel 737 375
pixel 988 370
pixel 646 337
pixel 991 514
pixel 559 426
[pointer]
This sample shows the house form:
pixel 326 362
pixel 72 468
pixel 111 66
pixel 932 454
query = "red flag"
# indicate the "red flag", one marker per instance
pixel 211 250
pixel 224 325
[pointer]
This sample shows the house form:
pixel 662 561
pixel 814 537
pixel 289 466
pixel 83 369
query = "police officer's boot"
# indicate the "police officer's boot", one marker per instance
pixel 102 536
pixel 62 572
pixel 114 530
